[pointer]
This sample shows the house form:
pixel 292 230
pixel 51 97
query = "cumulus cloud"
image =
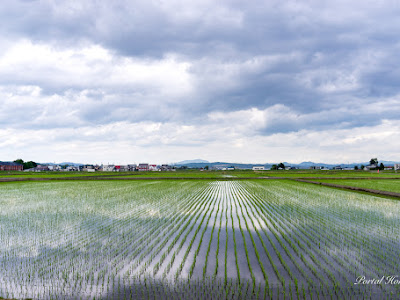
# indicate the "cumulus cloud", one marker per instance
pixel 195 75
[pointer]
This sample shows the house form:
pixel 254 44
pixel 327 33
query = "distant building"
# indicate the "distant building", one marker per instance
pixel 153 168
pixel 166 168
pixel 54 168
pixel 108 168
pixel 143 167
pixel 371 167
pixel 86 168
pixel 132 167
pixel 258 168
pixel 389 168
pixel 10 166
pixel 72 169
pixel 38 168
pixel 338 168
pixel 41 168
pixel 397 166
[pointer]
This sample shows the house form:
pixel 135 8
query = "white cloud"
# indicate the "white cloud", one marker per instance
pixel 93 66
pixel 168 142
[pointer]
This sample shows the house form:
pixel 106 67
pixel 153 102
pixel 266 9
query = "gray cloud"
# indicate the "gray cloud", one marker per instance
pixel 298 66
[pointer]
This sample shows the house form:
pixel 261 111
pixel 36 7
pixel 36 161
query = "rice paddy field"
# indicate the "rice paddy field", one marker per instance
pixel 195 239
pixel 391 185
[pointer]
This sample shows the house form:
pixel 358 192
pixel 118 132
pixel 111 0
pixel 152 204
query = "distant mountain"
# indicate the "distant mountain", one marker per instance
pixel 71 164
pixel 193 161
pixel 388 162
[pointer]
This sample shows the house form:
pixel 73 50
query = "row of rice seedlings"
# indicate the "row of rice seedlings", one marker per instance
pixel 283 246
pixel 211 239
pixel 194 212
pixel 363 245
pixel 226 245
pixel 326 240
pixel 368 224
pixel 336 234
pixel 122 245
pixel 294 261
pixel 234 243
pixel 62 256
pixel 236 199
pixel 272 229
pixel 120 254
pixel 232 288
pixel 257 216
pixel 207 203
pixel 59 263
pixel 373 255
pixel 273 218
pixel 315 237
pixel 180 216
pixel 282 216
pixel 72 267
pixel 178 272
pixel 241 204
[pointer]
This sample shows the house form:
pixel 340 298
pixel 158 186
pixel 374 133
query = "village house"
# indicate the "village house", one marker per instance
pixel 38 168
pixel 143 167
pixel 108 168
pixel 10 166
pixel 166 167
pixel 370 167
pixel 153 168
pixel 132 167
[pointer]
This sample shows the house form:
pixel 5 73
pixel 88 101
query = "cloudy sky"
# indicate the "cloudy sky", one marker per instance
pixel 166 80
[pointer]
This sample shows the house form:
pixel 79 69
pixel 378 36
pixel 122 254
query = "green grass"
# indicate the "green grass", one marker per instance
pixel 375 184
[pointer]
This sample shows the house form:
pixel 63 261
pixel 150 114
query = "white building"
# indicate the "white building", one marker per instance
pixel 153 168
pixel 108 168
pixel 258 168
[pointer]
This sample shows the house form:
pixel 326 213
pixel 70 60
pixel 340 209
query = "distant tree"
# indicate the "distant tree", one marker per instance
pixel 381 167
pixel 362 167
pixel 30 165
pixel 26 165
pixel 274 167
pixel 206 168
pixel 373 161
pixel 19 161
pixel 355 167
pixel 281 165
